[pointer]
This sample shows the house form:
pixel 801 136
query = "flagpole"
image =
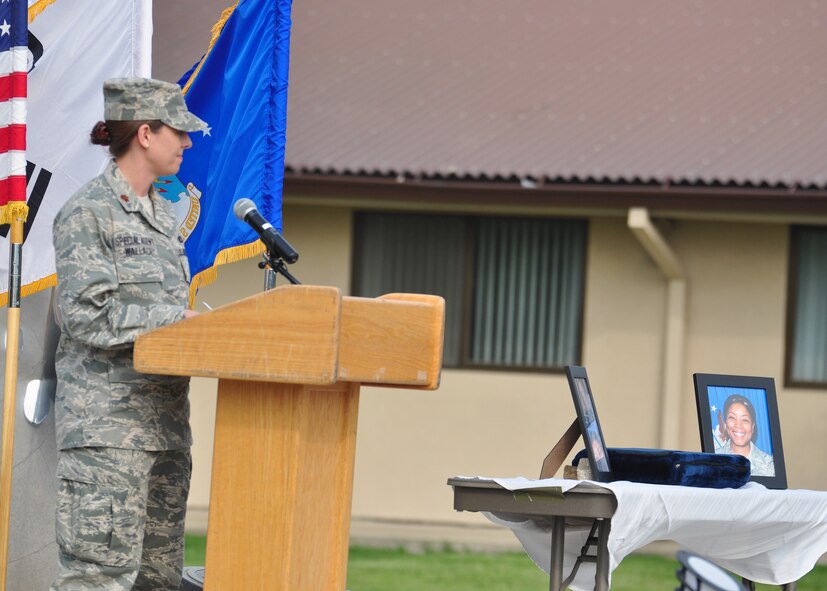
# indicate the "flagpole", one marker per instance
pixel 10 388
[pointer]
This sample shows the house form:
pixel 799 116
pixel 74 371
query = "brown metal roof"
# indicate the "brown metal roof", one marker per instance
pixel 181 34
pixel 620 91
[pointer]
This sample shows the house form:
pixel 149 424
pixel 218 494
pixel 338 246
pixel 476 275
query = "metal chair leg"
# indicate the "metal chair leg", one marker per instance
pixel 785 587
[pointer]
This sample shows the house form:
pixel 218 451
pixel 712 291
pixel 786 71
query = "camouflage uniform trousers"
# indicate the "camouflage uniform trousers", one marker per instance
pixel 120 519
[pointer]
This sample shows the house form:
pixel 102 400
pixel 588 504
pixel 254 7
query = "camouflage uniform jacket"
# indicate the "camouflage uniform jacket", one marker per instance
pixel 761 463
pixel 120 274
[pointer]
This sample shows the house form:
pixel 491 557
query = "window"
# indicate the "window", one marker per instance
pixel 807 303
pixel 513 287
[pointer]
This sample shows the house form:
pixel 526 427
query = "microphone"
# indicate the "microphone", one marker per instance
pixel 245 210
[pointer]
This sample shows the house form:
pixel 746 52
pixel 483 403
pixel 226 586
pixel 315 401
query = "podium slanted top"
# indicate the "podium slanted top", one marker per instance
pixel 305 335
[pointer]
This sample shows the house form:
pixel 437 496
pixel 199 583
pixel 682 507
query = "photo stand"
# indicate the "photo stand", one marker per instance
pixel 558 454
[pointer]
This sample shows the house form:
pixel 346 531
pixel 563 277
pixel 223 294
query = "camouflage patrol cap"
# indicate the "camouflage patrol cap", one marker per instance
pixel 145 99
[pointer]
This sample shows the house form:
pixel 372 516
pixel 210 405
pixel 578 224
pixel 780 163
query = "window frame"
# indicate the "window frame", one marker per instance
pixel 793 268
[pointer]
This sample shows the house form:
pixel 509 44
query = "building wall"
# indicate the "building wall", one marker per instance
pixel 498 423
pixel 623 336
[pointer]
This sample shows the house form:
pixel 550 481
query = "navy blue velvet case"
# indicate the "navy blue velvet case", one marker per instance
pixel 681 468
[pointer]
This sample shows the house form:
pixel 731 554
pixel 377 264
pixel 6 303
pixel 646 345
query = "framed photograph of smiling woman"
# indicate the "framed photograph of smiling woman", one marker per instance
pixel 739 415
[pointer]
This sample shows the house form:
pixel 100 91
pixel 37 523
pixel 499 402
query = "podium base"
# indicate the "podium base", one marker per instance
pixel 193 579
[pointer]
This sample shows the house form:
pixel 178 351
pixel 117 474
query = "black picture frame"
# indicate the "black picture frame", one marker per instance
pixel 581 393
pixel 717 396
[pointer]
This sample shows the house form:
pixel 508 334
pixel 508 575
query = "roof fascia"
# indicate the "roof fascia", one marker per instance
pixel 762 204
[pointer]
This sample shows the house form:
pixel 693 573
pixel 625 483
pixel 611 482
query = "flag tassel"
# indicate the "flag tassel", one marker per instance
pixel 10 392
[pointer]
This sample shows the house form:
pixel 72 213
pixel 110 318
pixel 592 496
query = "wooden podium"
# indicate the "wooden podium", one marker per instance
pixel 290 362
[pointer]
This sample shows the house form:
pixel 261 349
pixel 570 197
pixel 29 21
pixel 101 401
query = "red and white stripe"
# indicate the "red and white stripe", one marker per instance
pixel 13 83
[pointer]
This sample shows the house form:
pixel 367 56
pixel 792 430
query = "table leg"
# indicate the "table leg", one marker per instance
pixel 601 574
pixel 555 573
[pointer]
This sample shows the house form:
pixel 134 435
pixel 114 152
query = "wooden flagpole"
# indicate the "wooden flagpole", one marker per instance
pixel 15 214
pixel 10 385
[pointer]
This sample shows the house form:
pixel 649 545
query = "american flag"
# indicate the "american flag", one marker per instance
pixel 14 56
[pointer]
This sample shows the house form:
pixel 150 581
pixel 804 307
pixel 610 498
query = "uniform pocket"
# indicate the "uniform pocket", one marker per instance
pixel 94 524
pixel 129 398
pixel 139 273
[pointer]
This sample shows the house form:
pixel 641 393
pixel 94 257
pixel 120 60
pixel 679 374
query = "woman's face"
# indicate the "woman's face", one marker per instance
pixel 165 150
pixel 739 424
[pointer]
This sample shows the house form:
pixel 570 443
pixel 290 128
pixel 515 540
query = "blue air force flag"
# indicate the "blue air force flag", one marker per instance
pixel 240 89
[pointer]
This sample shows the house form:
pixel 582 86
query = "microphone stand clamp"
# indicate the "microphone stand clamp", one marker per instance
pixel 273 264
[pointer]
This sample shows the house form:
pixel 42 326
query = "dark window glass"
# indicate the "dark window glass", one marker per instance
pixel 807 356
pixel 513 286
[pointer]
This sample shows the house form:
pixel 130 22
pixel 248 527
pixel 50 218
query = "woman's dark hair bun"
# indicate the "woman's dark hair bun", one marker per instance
pixel 100 134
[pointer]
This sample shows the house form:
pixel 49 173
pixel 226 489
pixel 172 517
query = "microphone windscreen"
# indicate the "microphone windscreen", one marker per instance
pixel 242 207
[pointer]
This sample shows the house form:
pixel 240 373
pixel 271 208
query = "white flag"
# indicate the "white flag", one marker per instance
pixel 75 45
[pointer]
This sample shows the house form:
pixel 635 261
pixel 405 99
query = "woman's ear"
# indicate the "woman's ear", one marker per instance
pixel 143 135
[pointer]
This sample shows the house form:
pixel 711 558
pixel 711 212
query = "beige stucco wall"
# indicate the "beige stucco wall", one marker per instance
pixel 623 333
pixel 502 423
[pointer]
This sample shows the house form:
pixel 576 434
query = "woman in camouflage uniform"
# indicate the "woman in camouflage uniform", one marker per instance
pixel 124 437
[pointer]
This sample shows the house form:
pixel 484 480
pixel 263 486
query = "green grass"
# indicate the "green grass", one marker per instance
pixel 384 569
pixel 195 549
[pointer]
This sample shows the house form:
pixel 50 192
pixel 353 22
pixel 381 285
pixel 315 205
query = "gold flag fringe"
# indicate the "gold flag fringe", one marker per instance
pixel 229 255
pixel 205 277
pixel 12 211
pixel 38 7
pixel 31 288
pixel 214 33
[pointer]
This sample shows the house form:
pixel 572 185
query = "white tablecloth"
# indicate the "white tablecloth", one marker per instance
pixel 768 536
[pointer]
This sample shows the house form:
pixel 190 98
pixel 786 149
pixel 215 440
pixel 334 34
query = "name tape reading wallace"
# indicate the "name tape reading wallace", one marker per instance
pixel 135 245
